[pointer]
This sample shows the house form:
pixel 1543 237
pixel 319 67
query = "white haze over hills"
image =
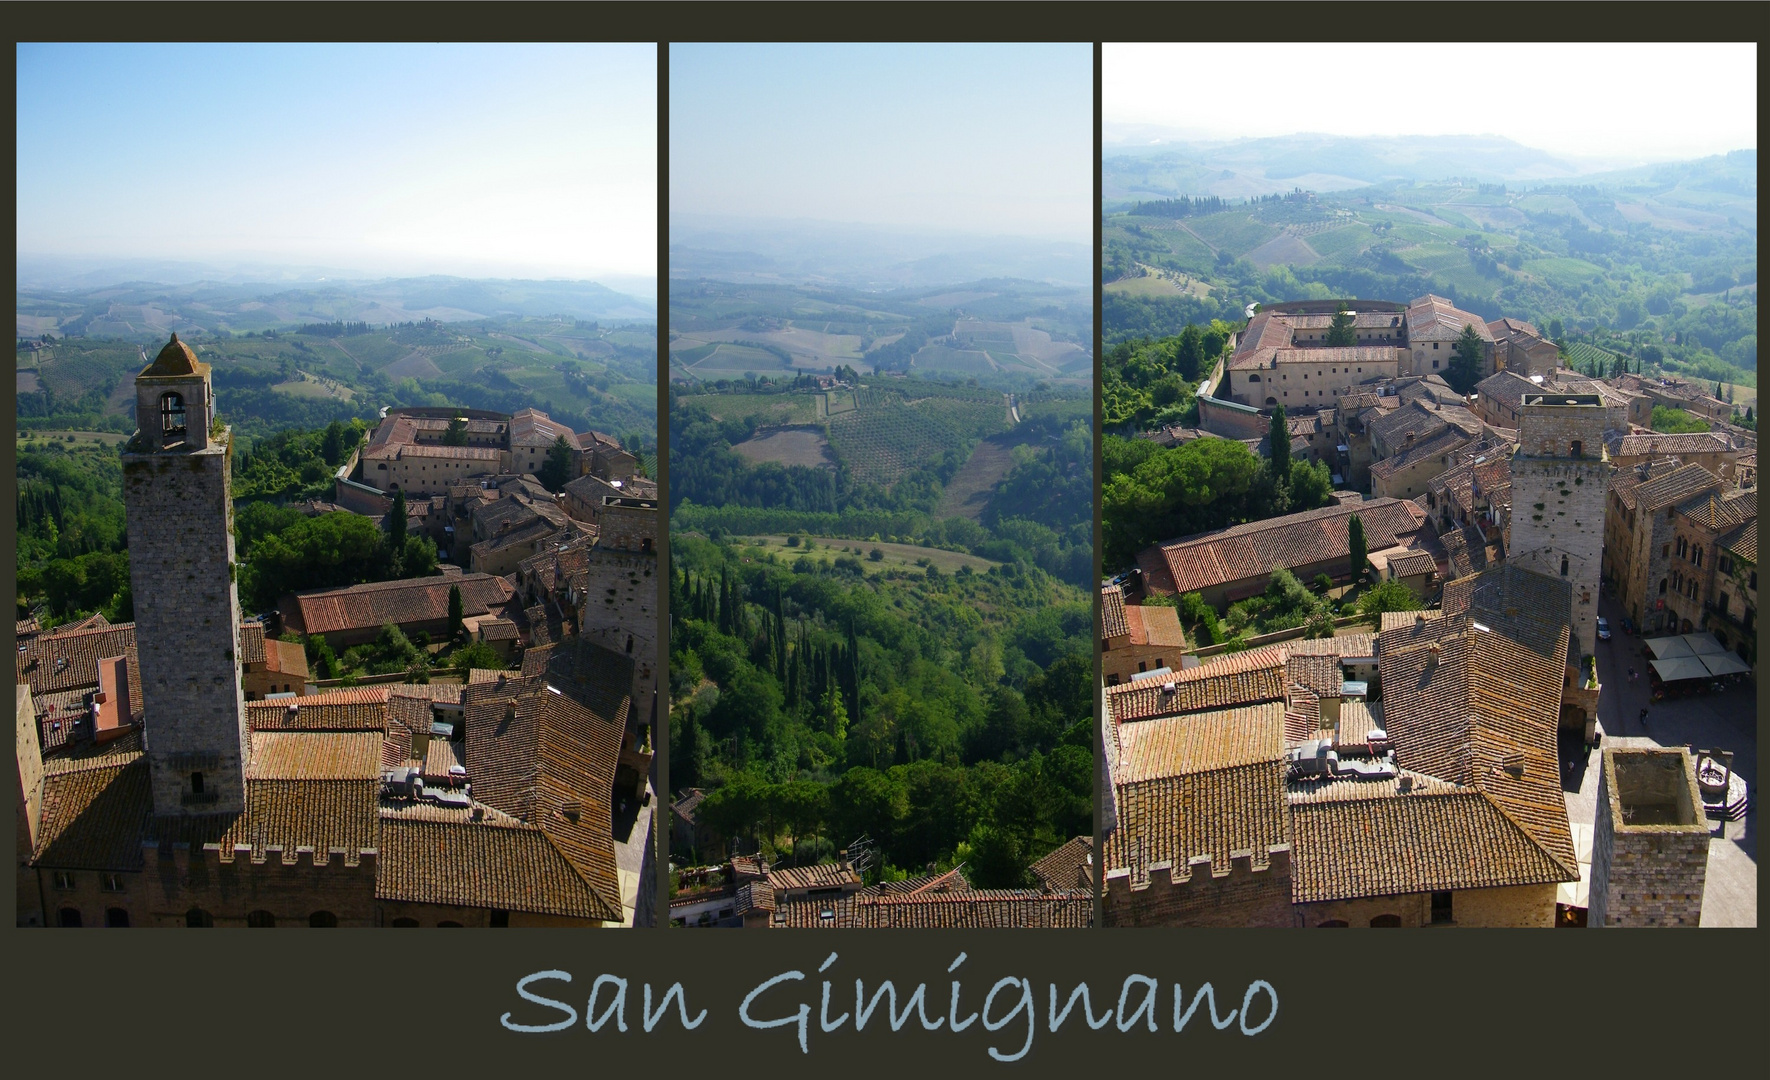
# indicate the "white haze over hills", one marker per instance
pixel 864 256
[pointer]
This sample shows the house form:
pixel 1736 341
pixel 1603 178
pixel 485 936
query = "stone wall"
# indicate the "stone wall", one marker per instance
pixel 230 886
pixel 1230 421
pixel 1509 906
pixel 181 560
pixel 1200 895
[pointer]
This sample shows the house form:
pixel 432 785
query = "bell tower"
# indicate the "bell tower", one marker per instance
pixel 176 488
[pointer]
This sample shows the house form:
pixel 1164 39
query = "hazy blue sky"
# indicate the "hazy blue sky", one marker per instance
pixel 506 160
pixel 983 139
pixel 1647 102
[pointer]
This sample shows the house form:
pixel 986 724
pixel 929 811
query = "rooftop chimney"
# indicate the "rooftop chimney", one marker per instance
pixel 111 714
pixel 1432 657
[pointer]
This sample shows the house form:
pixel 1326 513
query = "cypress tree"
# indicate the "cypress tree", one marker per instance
pixel 1280 458
pixel 1355 536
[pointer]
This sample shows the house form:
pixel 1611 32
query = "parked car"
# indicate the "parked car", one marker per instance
pixel 1603 628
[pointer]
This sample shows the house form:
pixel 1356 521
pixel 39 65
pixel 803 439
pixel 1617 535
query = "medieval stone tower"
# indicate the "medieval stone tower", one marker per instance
pixel 176 471
pixel 1650 842
pixel 1560 479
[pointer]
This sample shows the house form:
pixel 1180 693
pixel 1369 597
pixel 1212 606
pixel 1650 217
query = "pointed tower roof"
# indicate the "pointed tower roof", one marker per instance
pixel 176 359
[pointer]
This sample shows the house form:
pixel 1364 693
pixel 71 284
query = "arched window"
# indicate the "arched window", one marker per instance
pixel 1575 450
pixel 322 918
pixel 1662 586
pixel 260 919
pixel 68 916
pixel 405 922
pixel 1253 378
pixel 1272 401
pixel 198 917
pixel 172 414
pixel 116 917
pixel 1331 924
pixel 1386 920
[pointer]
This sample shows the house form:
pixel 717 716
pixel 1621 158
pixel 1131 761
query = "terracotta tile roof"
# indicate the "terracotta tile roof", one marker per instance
pixel 1674 487
pixel 548 757
pixel 537 530
pixel 1655 444
pixel 823 876
pixel 1174 819
pixel 440 692
pixel 979 909
pixel 1112 608
pixel 530 427
pixel 753 896
pixel 1743 541
pixel 63 661
pixel 73 757
pixel 1069 866
pixel 686 806
pixel 1156 626
pixel 27 627
pixel 285 658
pixel 357 607
pixel 1484 714
pixel 1719 512
pixel 321 814
pixel 1382 843
pixel 1302 717
pixel 1528 607
pixel 1446 443
pixel 481 864
pixel 497 630
pixel 1433 318
pixel 356 708
pixel 252 643
pixel 591 489
pixel 92 817
pixel 1222 739
pixel 1490 478
pixel 1318 674
pixel 312 755
pixel 953 880
pixel 1410 563
pixel 1507 388
pixel 1241 552
pixel 1342 645
pixel 440 757
pixel 1216 688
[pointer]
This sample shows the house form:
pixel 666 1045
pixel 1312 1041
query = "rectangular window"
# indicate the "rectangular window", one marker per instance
pixel 111 882
pixel 64 879
pixel 1441 912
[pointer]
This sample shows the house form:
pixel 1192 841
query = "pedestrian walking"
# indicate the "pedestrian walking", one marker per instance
pixel 1643 719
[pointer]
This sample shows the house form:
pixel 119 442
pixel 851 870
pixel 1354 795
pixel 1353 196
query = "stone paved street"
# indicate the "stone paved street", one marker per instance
pixel 1723 721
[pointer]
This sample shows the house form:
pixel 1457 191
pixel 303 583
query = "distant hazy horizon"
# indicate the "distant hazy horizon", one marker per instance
pixel 972 140
pixel 1612 105
pixel 374 161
